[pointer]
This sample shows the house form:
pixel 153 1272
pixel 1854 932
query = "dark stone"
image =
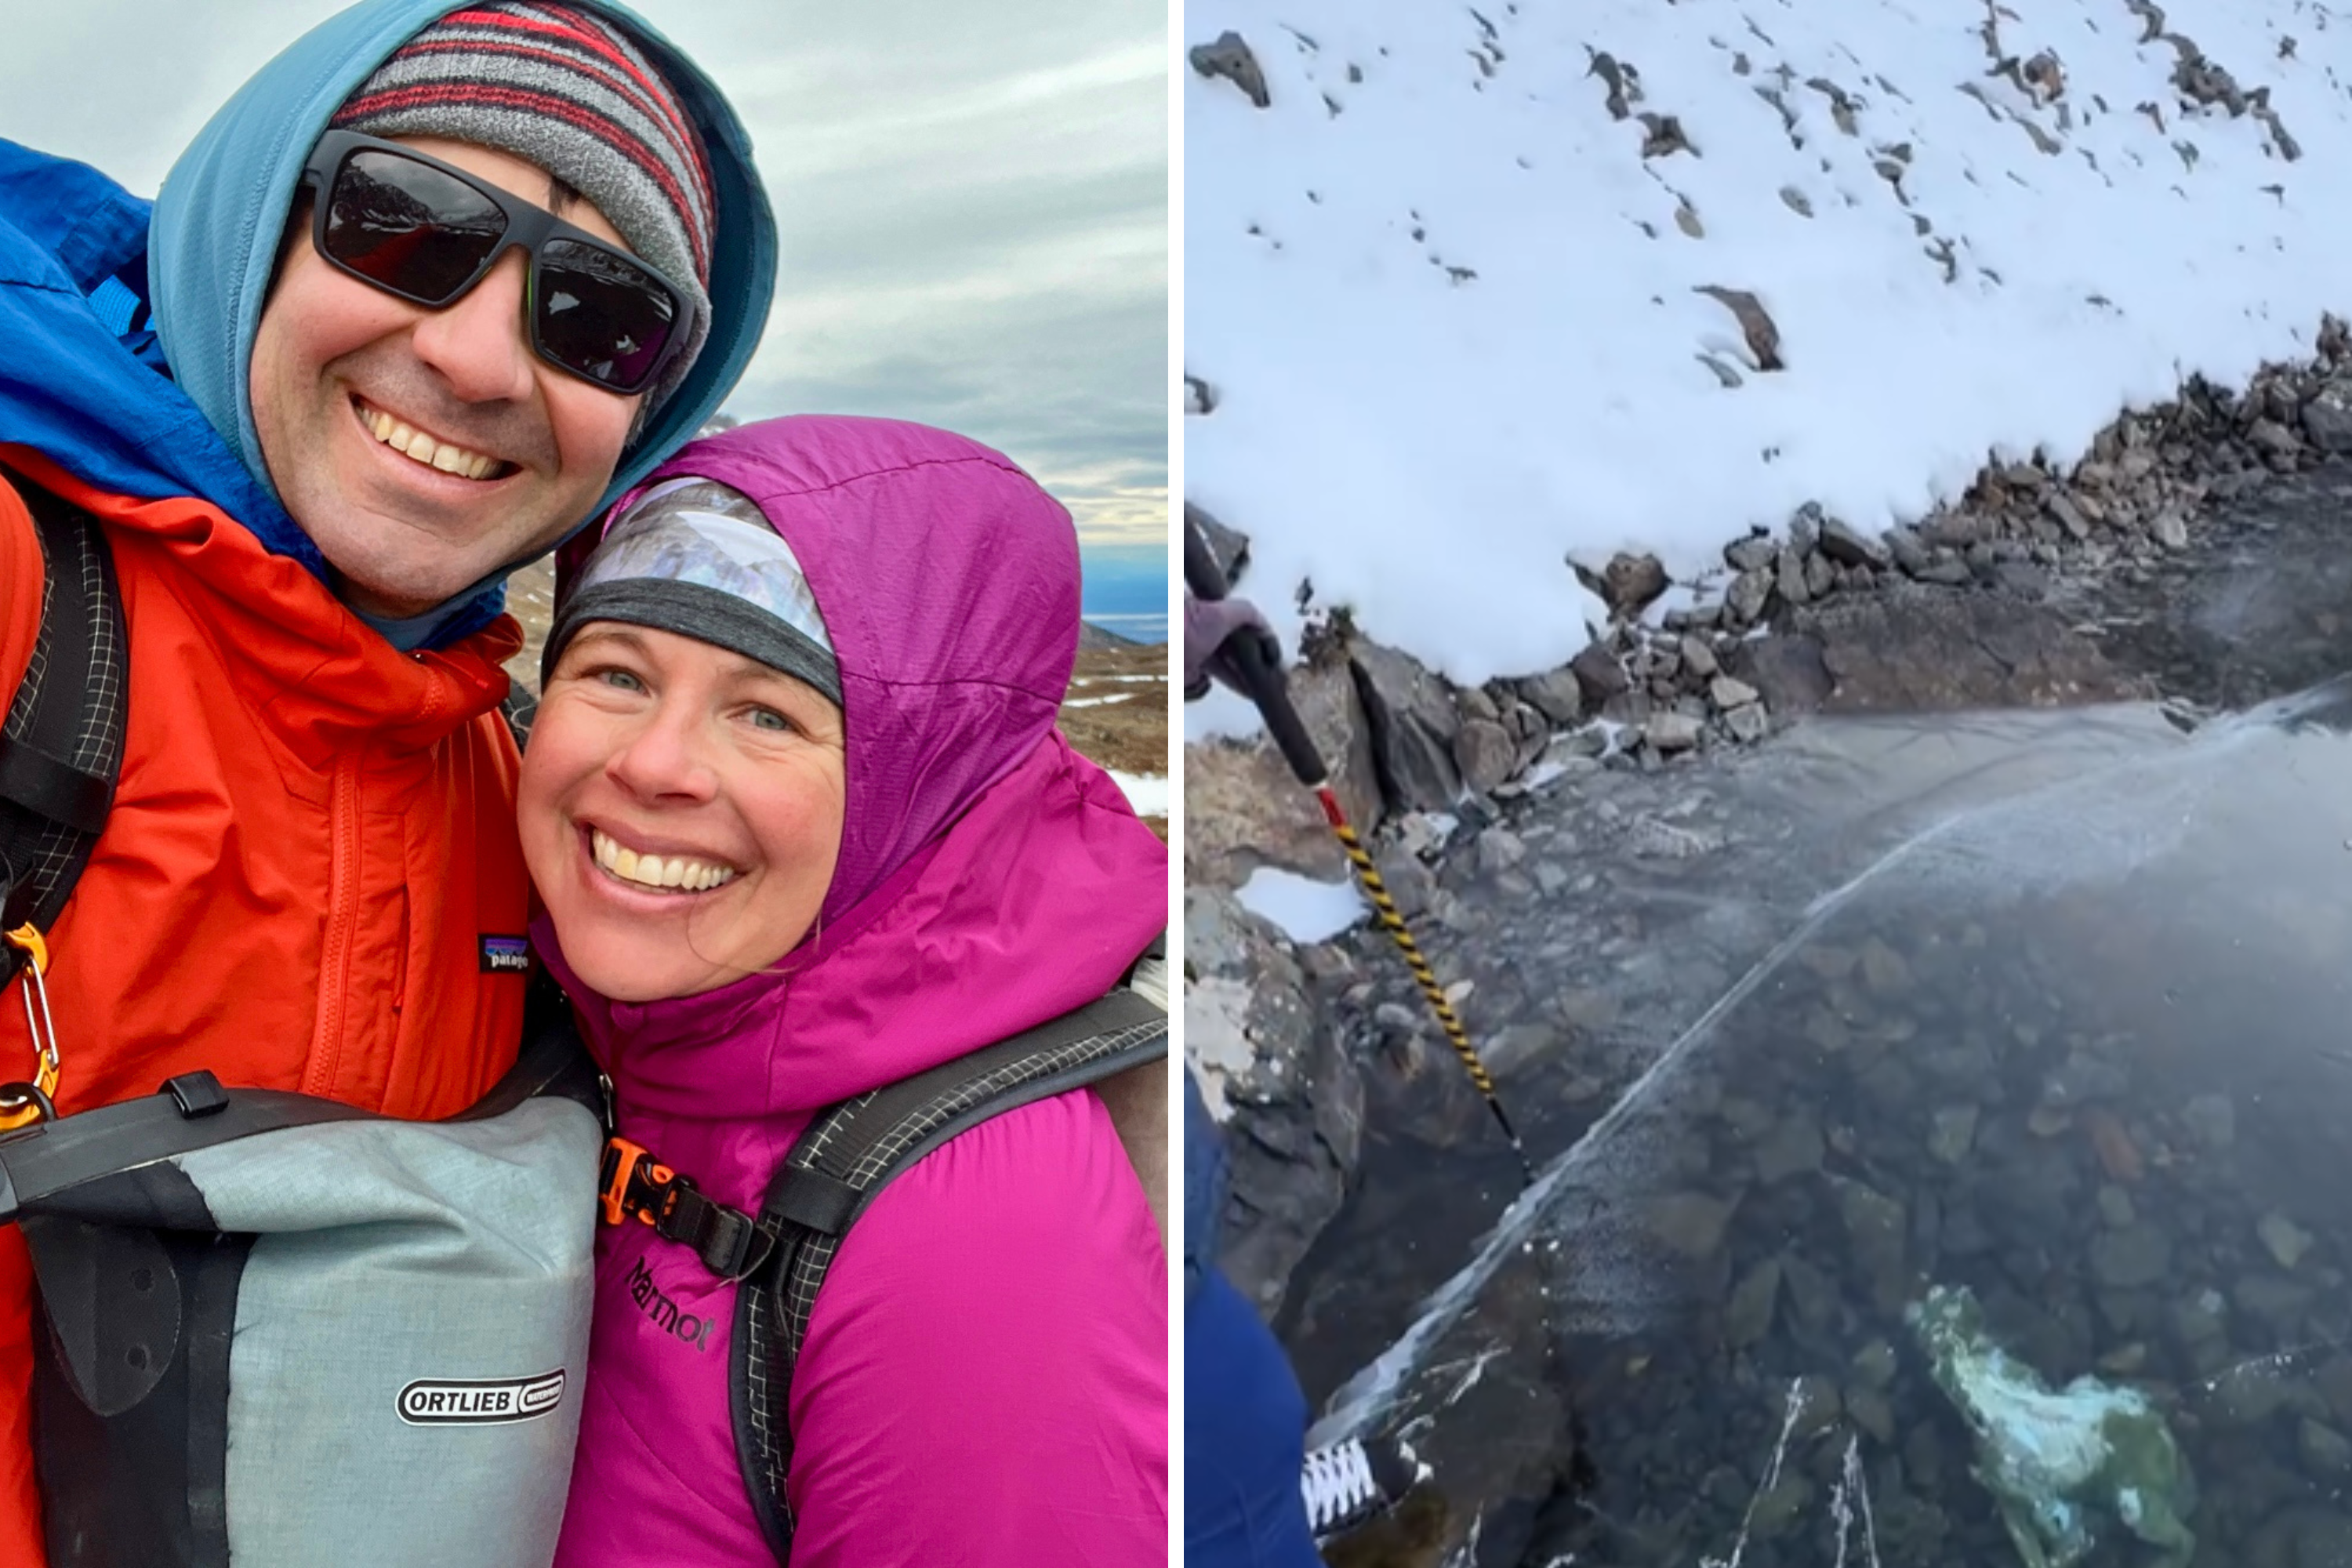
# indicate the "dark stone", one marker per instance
pixel 1628 585
pixel 1484 751
pixel 1557 694
pixel 2327 418
pixel 1788 671
pixel 1917 651
pixel 1230 57
pixel 1749 594
pixel 1414 722
pixel 1848 546
pixel 1599 675
pixel 1230 547
pixel 1908 553
pixel 1789 576
pixel 1294 1100
pixel 1753 554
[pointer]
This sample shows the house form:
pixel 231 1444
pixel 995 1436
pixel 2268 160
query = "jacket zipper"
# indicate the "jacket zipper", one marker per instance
pixel 343 920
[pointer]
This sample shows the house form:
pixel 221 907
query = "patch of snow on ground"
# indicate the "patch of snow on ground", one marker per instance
pixel 1096 702
pixel 1148 792
pixel 1452 314
pixel 1303 910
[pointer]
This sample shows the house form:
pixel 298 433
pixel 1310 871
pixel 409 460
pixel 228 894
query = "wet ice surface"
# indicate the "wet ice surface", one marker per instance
pixel 2050 1006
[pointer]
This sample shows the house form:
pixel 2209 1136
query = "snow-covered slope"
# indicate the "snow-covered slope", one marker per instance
pixel 1457 318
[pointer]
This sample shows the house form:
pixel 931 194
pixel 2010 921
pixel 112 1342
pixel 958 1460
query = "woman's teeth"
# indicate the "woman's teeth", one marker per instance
pixel 683 872
pixel 413 443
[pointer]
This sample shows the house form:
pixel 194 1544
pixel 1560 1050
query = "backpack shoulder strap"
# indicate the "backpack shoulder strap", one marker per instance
pixel 843 1162
pixel 61 744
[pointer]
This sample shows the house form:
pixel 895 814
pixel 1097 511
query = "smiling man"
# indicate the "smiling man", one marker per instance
pixel 427 292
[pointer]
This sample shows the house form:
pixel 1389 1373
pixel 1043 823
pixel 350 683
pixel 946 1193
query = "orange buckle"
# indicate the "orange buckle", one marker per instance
pixel 43 1030
pixel 630 1164
pixel 33 942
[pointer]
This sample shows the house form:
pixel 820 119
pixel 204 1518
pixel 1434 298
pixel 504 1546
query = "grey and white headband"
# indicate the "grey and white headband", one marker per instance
pixel 696 557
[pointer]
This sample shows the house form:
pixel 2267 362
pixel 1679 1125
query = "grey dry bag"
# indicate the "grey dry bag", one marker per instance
pixel 281 1332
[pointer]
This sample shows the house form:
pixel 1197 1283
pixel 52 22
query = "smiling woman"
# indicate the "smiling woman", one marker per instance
pixel 806 835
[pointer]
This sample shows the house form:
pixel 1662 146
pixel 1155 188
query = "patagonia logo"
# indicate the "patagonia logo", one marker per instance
pixel 506 954
pixel 663 1312
pixel 467 1402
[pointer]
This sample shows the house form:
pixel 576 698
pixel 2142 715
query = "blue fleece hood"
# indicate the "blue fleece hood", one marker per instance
pixel 94 403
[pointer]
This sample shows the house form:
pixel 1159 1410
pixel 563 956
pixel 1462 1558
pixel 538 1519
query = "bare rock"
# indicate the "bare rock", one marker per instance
pixel 1628 585
pixel 1230 546
pixel 1749 594
pixel 1789 577
pixel 1754 323
pixel 1910 555
pixel 2327 418
pixel 1412 721
pixel 1231 58
pixel 1917 651
pixel 1287 1089
pixel 1483 753
pixel 1788 670
pixel 1243 806
pixel 1849 546
pixel 1557 694
pixel 1729 693
pixel 1669 733
pixel 1600 675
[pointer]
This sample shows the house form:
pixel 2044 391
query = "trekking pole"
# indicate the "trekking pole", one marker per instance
pixel 1271 693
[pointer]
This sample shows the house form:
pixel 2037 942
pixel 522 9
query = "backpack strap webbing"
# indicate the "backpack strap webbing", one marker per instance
pixel 61 744
pixel 845 1158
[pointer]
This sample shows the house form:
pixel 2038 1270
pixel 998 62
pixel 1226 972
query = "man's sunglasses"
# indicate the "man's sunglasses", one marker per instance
pixel 425 231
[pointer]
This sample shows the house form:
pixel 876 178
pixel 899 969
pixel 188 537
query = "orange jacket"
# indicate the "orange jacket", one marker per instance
pixel 311 834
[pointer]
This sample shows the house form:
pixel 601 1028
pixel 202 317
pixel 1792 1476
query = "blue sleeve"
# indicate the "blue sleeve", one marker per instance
pixel 1245 1440
pixel 1204 1187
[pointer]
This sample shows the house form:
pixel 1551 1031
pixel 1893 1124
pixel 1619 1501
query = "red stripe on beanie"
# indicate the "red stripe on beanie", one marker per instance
pixel 631 89
pixel 424 95
pixel 564 22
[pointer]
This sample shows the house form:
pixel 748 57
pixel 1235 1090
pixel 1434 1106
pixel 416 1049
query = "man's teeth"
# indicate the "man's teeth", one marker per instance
pixel 403 439
pixel 682 872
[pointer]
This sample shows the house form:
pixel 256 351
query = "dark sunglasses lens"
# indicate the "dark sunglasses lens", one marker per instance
pixel 601 317
pixel 409 228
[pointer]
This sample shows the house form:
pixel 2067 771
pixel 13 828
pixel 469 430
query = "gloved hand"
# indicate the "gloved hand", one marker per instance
pixel 1211 629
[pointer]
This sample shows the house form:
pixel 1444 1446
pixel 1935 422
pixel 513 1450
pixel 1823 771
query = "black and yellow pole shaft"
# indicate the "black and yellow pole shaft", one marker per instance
pixel 1269 690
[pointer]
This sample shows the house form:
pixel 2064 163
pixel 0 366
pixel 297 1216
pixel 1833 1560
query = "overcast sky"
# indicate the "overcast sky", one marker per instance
pixel 973 198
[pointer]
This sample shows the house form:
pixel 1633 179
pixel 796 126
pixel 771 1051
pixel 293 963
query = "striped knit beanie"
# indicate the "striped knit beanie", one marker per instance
pixel 568 91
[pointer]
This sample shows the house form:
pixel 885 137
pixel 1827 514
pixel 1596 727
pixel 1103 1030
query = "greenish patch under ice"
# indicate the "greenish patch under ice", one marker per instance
pixel 2057 1462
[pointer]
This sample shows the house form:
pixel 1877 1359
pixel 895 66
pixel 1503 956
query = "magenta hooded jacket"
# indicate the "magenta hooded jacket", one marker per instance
pixel 984 1379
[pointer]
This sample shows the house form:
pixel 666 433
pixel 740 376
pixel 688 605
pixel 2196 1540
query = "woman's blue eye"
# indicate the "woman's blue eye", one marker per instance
pixel 621 679
pixel 769 719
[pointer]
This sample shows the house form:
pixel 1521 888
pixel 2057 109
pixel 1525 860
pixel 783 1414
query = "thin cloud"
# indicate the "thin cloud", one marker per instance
pixel 972 200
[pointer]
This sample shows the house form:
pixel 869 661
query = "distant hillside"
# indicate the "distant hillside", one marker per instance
pixel 1093 639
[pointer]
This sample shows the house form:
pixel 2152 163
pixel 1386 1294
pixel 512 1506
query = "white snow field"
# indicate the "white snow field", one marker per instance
pixel 1452 315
